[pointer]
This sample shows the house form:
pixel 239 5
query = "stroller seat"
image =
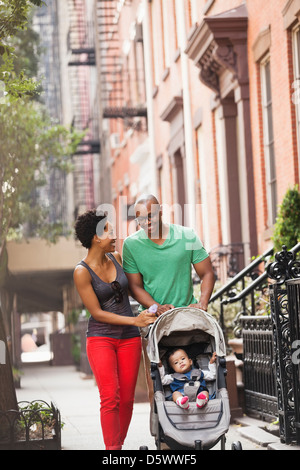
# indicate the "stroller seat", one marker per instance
pixel 200 335
pixel 195 418
pixel 200 353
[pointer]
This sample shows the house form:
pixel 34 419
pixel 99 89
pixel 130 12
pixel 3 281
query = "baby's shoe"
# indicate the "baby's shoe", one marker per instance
pixel 183 402
pixel 201 400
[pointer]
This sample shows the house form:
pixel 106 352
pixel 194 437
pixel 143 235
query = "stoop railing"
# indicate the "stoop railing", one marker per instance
pixel 285 312
pixel 258 367
pixel 271 341
pixel 242 289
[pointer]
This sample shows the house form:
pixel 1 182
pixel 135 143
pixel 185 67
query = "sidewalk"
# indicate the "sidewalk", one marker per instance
pixel 78 401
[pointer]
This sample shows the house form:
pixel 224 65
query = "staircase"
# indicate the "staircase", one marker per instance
pixel 248 295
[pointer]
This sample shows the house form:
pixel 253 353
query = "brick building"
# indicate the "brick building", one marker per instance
pixel 219 141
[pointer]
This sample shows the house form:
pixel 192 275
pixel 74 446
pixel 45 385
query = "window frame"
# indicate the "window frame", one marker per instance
pixel 268 138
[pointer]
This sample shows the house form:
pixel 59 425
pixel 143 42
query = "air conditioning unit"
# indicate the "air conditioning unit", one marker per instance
pixel 115 141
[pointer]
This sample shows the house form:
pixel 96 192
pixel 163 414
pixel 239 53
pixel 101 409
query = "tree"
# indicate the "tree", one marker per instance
pixel 13 18
pixel 31 146
pixel 287 226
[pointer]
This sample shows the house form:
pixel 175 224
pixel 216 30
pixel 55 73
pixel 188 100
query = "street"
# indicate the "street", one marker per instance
pixel 78 401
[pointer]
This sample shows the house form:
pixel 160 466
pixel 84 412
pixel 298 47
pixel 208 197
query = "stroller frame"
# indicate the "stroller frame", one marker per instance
pixel 192 429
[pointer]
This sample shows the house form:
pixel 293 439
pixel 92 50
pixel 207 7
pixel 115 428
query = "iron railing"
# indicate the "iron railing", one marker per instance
pixel 35 425
pixel 258 367
pixel 227 260
pixel 240 287
pixel 270 341
pixel 285 302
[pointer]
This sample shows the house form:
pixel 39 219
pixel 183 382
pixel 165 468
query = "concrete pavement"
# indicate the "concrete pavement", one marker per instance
pixel 78 401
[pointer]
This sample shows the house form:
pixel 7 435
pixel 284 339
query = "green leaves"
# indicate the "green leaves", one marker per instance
pixel 13 18
pixel 31 147
pixel 14 15
pixel 287 226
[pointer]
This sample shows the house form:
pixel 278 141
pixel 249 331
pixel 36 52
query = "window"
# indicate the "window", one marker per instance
pixel 268 133
pixel 296 83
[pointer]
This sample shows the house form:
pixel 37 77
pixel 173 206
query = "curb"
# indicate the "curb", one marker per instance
pixel 253 429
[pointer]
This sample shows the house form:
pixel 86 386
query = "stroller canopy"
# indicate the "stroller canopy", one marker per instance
pixel 172 325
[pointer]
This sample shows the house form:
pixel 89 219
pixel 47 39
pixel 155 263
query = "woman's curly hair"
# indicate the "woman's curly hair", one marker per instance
pixel 86 226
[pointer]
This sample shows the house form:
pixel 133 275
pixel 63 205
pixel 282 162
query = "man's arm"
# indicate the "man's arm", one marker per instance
pixel 205 272
pixel 136 287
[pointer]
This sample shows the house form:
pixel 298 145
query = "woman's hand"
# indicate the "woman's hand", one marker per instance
pixel 145 318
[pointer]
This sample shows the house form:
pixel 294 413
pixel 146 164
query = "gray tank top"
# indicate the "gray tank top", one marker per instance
pixel 106 297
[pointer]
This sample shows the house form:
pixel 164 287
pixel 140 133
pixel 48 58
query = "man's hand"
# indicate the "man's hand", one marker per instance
pixel 163 308
pixel 199 305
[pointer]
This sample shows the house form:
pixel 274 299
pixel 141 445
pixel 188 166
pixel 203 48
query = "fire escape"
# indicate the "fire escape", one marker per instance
pixel 116 79
pixel 53 194
pixel 81 48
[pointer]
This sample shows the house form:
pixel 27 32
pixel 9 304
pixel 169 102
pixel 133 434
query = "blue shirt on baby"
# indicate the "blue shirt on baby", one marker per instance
pixel 178 383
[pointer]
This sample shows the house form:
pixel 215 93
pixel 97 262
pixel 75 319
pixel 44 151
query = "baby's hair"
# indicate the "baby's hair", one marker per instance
pixel 173 351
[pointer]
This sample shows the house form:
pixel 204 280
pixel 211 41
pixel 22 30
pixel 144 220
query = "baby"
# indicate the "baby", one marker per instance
pixel 182 366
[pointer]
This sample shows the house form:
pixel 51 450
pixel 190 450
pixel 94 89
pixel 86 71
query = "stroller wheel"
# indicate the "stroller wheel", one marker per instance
pixel 143 448
pixel 236 446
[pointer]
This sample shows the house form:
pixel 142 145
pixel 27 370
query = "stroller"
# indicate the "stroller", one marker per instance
pixel 200 335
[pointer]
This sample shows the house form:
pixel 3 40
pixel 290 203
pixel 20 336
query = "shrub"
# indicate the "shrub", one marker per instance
pixel 287 225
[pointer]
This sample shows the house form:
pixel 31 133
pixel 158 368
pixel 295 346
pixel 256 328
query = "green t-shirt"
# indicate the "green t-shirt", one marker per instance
pixel 167 268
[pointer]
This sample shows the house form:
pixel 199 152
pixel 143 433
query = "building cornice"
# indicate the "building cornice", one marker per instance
pixel 220 43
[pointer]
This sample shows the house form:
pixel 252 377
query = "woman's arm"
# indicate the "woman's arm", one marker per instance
pixel 84 287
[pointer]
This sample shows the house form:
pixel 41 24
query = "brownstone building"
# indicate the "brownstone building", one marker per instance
pixel 202 108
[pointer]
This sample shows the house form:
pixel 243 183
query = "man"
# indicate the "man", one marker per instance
pixel 158 259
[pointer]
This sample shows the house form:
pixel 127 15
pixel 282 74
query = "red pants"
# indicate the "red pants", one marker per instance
pixel 115 365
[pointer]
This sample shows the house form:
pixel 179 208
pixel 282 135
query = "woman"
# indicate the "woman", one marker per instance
pixel 113 338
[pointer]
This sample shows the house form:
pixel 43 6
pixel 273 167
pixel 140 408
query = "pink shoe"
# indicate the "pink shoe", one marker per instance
pixel 201 400
pixel 183 402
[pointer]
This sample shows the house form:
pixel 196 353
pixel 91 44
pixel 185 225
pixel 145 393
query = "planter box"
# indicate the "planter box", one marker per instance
pixel 37 444
pixel 34 426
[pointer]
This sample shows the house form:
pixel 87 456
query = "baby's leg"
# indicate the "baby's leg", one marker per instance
pixel 180 400
pixel 202 399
